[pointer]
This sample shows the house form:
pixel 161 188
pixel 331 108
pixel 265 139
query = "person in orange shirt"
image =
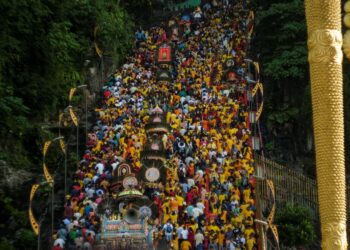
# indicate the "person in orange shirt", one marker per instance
pixel 221 240
pixel 205 125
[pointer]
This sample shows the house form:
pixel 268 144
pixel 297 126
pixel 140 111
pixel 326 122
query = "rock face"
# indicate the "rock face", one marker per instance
pixel 12 178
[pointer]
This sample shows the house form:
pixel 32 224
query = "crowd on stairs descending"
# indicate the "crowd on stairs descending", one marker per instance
pixel 209 202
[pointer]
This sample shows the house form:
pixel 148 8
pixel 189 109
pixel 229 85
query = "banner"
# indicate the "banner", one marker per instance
pixel 32 192
pixel 46 147
pixel 63 146
pixel 272 187
pixel 250 24
pixel 73 116
pixel 275 233
pixel 60 118
pixel 257 67
pixel 272 214
pixel 257 87
pixel 71 93
pixel 33 221
pixel 97 49
pixel 257 71
pixel 47 175
pixel 258 113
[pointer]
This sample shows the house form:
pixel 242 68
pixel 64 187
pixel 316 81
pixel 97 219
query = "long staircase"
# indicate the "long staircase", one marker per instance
pixel 169 163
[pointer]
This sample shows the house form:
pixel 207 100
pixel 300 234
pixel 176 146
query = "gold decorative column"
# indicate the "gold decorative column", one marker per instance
pixel 325 57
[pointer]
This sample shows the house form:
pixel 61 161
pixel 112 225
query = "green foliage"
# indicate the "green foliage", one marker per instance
pixel 281 116
pixel 5 244
pixel 295 226
pixel 280 43
pixel 115 26
pixel 43 47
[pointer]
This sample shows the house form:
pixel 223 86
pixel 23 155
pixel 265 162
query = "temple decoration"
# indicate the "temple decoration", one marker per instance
pixel 325 59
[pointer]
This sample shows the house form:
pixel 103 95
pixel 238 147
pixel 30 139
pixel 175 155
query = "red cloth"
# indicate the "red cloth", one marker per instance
pixel 189 198
pixel 57 248
pixel 191 238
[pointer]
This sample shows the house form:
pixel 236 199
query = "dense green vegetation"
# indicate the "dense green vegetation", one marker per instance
pixel 295 226
pixel 280 45
pixel 44 46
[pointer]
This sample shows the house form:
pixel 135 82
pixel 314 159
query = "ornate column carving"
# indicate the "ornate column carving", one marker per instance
pixel 325 59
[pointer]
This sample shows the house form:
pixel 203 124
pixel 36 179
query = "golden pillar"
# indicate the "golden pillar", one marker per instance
pixel 323 19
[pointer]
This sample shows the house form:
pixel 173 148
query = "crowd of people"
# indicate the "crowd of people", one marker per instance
pixel 209 202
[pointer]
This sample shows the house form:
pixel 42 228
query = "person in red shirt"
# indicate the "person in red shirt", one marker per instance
pixel 57 247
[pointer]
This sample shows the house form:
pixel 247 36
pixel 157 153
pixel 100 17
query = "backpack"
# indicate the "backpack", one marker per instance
pixel 168 229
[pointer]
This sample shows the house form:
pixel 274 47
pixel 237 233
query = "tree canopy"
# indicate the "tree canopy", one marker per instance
pixel 280 43
pixel 43 47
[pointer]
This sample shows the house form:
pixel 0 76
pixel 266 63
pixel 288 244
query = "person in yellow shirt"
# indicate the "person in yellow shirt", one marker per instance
pixel 185 245
pixel 221 239
pixel 213 240
pixel 173 217
pixel 223 216
pixel 248 232
pixel 237 219
pixel 251 242
pixel 244 207
pixel 248 212
pixel 246 194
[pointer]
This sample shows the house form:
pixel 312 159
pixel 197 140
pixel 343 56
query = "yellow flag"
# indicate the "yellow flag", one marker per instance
pixel 272 187
pixel 63 146
pixel 261 87
pixel 47 175
pixel 60 118
pixel 73 116
pixel 71 93
pixel 272 214
pixel 33 221
pixel 275 233
pixel 258 113
pixel 32 191
pixel 98 50
pixel 46 147
pixel 257 67
pixel 255 89
pixel 250 23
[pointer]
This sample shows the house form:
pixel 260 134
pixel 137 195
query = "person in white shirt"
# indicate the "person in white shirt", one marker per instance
pixel 59 242
pixel 200 205
pixel 184 233
pixel 196 212
pixel 179 232
pixel 199 238
pixel 168 231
